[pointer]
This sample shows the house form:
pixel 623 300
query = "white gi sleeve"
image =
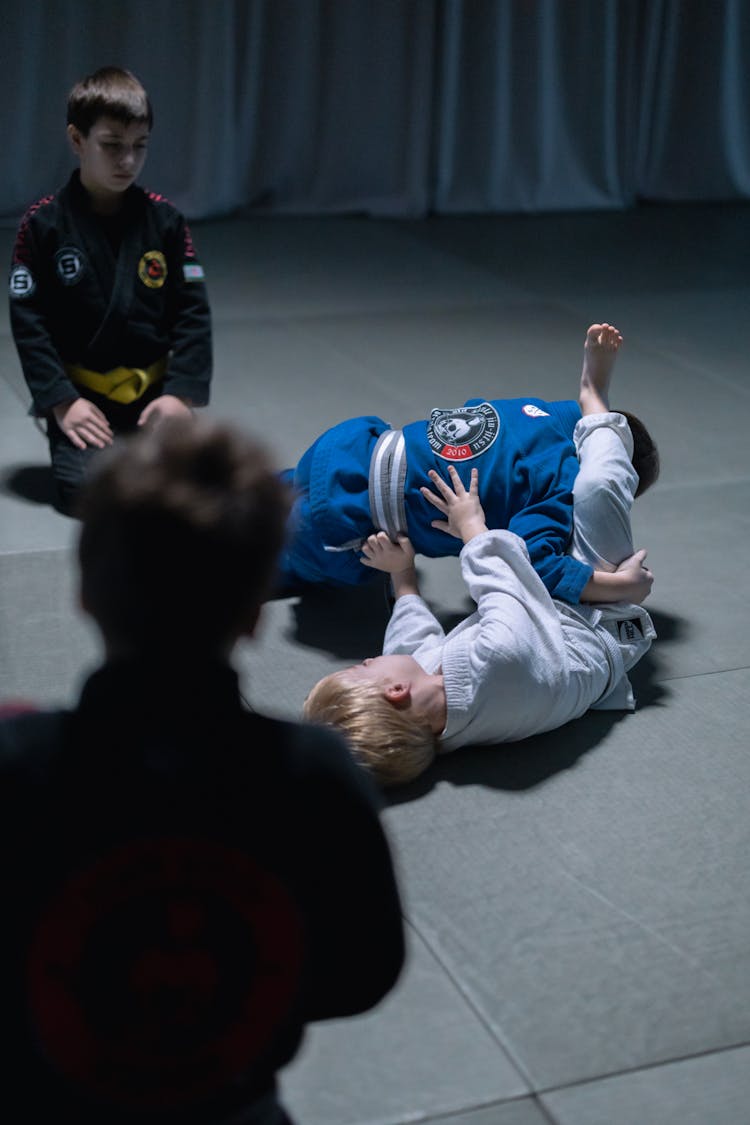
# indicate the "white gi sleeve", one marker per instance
pixel 513 603
pixel 413 628
pixel 505 669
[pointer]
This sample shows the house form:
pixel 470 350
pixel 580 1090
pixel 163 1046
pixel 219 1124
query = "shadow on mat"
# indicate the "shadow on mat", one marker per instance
pixel 30 482
pixel 347 622
pixel 515 766
pixel 647 677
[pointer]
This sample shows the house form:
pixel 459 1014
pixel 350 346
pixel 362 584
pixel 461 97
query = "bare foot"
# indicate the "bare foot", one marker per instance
pixel 599 353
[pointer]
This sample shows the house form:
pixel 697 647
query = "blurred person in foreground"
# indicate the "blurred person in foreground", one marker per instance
pixel 179 894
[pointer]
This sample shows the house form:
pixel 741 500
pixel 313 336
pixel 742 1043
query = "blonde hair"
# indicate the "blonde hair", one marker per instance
pixel 394 744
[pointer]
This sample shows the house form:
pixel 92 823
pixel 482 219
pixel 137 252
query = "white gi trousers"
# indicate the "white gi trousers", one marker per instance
pixel 602 501
pixel 603 492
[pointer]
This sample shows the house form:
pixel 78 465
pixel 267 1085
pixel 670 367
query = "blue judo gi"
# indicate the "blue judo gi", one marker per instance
pixel 523 449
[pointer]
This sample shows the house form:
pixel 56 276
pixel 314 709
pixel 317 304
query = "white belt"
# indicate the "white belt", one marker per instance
pixel 386 484
pixel 385 489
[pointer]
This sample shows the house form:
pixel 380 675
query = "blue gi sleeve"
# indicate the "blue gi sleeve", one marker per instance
pixel 546 525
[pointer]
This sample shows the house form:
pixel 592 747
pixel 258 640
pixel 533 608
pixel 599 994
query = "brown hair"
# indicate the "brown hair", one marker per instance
pixel 182 527
pixel 110 92
pixel 645 453
pixel 395 745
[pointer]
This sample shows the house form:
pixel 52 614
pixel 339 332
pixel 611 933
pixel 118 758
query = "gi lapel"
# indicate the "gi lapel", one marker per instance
pixel 110 332
pixel 115 276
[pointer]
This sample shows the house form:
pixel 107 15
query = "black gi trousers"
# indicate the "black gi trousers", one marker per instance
pixel 70 464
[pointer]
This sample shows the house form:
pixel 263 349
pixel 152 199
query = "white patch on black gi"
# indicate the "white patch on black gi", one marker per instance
pixel 191 271
pixel 464 432
pixel 21 282
pixel 70 264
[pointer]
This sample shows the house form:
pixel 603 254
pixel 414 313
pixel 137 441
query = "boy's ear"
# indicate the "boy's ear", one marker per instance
pixel 399 693
pixel 74 138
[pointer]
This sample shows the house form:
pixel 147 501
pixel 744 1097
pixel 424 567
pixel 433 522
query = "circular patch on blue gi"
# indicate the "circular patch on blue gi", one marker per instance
pixel 463 432
pixel 70 264
pixel 21 282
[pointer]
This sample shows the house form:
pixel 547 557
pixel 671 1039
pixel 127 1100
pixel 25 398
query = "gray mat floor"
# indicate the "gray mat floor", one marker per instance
pixel 578 905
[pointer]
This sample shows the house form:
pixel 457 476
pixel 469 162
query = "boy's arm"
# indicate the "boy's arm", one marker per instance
pixel 631 582
pixel 81 421
pixel 394 558
pixel 412 624
pixel 546 525
pixel 43 369
pixel 190 362
pixel 567 578
pixel 519 621
pixel 188 376
pixel 357 910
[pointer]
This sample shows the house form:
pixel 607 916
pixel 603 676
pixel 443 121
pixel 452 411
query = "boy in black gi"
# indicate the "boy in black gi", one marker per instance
pixel 185 883
pixel 108 302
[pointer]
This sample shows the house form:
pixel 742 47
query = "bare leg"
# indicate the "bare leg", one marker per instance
pixel 599 353
pixel 604 488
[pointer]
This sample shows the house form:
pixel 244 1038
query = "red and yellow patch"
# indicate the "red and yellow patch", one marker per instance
pixel 152 269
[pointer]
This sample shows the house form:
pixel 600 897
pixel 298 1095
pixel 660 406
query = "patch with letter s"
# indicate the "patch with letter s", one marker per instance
pixel 463 432
pixel 21 282
pixel 70 264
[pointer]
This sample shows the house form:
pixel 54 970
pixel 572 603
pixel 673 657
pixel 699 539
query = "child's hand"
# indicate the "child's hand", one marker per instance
pixel 165 406
pixel 463 511
pixel 83 423
pixel 637 579
pixel 382 553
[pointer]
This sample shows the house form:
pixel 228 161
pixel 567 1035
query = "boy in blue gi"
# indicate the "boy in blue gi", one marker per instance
pixel 363 475
pixel 108 302
pixel 522 663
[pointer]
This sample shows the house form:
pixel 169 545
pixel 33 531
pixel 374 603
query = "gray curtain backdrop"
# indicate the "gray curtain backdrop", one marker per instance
pixel 394 107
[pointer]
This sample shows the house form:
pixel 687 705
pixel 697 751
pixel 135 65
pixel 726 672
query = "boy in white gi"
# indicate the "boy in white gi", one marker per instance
pixel 107 297
pixel 523 663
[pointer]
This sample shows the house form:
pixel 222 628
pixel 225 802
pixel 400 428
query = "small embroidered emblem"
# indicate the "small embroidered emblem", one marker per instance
pixel 152 269
pixel 192 271
pixel 629 631
pixel 464 432
pixel 22 282
pixel 534 411
pixel 69 264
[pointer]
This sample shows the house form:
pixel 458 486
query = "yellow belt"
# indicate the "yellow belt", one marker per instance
pixel 121 384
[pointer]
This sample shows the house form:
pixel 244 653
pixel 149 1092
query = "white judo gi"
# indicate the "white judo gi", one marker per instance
pixel 524 663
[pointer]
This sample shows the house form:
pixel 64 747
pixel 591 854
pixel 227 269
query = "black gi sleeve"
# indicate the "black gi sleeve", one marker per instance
pixel 356 945
pixel 42 366
pixel 190 364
